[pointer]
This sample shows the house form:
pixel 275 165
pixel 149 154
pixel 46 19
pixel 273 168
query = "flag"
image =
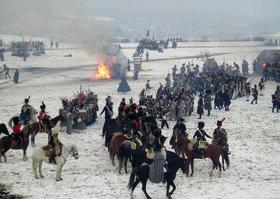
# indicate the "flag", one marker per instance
pixel 148 33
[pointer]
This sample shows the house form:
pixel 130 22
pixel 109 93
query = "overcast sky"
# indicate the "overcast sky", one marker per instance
pixel 228 14
pixel 252 8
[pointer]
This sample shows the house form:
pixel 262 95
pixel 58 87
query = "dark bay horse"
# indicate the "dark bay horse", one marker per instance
pixel 213 152
pixel 9 142
pixel 174 163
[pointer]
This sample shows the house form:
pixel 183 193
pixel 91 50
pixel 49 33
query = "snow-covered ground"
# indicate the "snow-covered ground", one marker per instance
pixel 254 132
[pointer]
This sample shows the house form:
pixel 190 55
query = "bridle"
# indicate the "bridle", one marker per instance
pixel 70 152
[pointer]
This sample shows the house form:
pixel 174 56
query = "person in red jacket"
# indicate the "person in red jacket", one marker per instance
pixel 17 130
pixel 42 113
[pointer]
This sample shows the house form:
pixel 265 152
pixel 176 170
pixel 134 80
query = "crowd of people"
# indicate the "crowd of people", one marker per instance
pixel 26 48
pixel 213 85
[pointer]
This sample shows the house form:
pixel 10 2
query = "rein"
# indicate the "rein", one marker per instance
pixel 69 151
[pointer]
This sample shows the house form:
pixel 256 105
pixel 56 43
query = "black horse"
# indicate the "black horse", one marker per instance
pixel 174 163
pixel 125 151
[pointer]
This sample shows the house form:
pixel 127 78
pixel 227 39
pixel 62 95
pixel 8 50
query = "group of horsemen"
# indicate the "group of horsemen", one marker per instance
pixel 21 123
pixel 144 123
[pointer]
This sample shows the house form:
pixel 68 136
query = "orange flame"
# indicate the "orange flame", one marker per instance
pixel 102 71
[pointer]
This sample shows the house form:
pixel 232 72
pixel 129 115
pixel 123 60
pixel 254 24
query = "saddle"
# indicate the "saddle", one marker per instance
pixel 14 143
pixel 48 150
pixel 200 144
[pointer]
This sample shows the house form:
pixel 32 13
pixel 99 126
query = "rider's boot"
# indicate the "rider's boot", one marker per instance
pixel 52 157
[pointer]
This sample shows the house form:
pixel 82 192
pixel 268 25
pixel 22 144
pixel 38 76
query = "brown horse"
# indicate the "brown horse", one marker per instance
pixel 38 127
pixel 114 146
pixel 212 151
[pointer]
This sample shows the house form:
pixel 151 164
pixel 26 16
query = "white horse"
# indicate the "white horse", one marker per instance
pixel 39 156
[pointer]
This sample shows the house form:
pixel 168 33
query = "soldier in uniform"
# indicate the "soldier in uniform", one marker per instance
pixel 55 145
pixel 220 136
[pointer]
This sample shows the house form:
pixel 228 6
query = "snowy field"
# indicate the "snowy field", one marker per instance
pixel 253 131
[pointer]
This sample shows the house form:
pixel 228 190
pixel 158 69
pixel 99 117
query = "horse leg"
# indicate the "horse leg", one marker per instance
pixel 125 164
pixel 173 188
pixel 120 165
pixel 211 171
pixel 192 161
pixel 112 157
pixel 24 155
pixel 144 184
pixel 58 169
pixel 133 187
pixel 40 169
pixel 33 140
pixel 5 158
pixel 223 162
pixel 34 167
pixel 167 190
pixel 188 168
pixel 220 168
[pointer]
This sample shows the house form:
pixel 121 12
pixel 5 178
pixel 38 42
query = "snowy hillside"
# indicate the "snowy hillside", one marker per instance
pixel 253 131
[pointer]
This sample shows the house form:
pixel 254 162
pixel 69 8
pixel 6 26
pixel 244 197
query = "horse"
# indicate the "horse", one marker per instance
pixel 9 142
pixel 39 156
pixel 174 163
pixel 38 127
pixel 124 155
pixel 125 150
pixel 115 143
pixel 212 151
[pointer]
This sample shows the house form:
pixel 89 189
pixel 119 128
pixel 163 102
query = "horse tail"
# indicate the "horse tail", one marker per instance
pixel 131 178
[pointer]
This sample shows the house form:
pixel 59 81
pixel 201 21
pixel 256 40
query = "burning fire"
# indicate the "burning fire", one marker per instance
pixel 102 71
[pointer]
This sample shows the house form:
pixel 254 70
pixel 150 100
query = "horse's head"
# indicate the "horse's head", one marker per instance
pixel 74 152
pixel 3 129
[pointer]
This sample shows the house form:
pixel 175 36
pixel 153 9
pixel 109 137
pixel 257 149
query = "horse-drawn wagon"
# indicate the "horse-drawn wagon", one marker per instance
pixel 79 112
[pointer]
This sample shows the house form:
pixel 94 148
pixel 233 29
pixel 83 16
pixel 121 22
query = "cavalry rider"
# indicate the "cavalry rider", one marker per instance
pixel 45 121
pixel 108 109
pixel 121 109
pixel 180 126
pixel 42 114
pixel 200 135
pixel 25 111
pixel 220 136
pixel 17 130
pixel 54 145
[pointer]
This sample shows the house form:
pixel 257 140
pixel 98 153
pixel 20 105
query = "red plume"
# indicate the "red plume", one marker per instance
pixel 223 119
